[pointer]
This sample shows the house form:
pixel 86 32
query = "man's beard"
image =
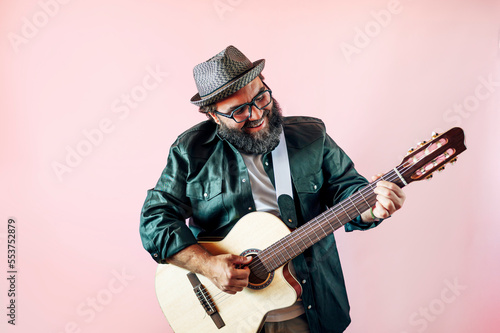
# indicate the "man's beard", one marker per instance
pixel 260 142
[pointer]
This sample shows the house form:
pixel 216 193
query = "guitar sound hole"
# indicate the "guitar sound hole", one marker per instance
pixel 259 278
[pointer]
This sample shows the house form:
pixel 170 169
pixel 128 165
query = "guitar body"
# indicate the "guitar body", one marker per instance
pixel 243 312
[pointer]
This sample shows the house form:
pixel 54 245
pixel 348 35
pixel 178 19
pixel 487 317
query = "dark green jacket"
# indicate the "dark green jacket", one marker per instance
pixel 206 181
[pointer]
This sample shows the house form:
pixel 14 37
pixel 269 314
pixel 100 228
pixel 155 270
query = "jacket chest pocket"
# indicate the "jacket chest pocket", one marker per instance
pixel 309 184
pixel 206 202
pixel 308 189
pixel 204 191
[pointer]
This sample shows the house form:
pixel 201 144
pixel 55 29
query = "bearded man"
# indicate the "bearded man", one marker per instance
pixel 226 167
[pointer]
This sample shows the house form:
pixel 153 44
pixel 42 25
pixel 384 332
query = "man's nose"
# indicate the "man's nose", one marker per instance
pixel 256 113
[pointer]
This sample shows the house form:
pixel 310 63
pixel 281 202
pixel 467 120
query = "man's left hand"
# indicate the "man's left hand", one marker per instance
pixel 390 198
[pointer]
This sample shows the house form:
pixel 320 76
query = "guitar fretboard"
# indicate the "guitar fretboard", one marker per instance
pixel 321 226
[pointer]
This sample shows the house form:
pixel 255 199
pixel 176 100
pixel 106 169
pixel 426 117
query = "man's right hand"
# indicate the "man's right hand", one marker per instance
pixel 223 270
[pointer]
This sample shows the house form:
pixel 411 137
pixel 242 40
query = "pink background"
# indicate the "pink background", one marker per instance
pixel 65 68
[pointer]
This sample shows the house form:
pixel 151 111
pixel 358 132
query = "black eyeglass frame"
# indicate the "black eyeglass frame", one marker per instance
pixel 250 104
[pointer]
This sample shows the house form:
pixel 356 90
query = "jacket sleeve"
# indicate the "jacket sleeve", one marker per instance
pixel 342 180
pixel 163 226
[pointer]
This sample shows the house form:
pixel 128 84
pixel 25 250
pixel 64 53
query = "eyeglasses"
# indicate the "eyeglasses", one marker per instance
pixel 244 111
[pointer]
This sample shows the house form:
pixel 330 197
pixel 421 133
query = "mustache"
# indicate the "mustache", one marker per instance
pixel 255 122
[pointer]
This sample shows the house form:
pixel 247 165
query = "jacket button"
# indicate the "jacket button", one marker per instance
pixel 315 186
pixel 155 255
pixel 309 307
pixel 249 208
pixel 205 195
pixel 243 180
pixel 304 281
pixel 267 163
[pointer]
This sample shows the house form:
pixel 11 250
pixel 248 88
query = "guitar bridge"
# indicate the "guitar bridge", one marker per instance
pixel 205 300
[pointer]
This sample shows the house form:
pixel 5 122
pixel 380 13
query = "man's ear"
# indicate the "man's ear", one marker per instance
pixel 214 117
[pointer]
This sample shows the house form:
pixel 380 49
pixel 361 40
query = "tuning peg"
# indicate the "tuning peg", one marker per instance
pixel 411 150
pixel 429 177
pixel 420 144
pixel 441 169
pixel 453 161
pixel 435 135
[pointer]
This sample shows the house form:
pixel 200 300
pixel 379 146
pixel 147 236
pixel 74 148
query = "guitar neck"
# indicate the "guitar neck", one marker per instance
pixel 419 164
pixel 324 224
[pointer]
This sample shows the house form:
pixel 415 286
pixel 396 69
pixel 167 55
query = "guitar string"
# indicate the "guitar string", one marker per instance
pixel 305 229
pixel 391 176
pixel 204 295
pixel 221 296
pixel 315 223
pixel 271 252
pixel 335 212
pixel 216 298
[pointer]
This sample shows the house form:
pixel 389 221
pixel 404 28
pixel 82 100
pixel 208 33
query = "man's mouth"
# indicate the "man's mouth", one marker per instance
pixel 257 123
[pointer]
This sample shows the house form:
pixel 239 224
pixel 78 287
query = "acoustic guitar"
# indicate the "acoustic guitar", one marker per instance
pixel 192 303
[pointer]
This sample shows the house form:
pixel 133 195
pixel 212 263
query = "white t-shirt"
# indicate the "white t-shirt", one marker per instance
pixel 264 196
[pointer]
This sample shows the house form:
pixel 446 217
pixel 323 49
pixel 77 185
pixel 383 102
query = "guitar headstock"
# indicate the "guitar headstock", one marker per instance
pixel 430 156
